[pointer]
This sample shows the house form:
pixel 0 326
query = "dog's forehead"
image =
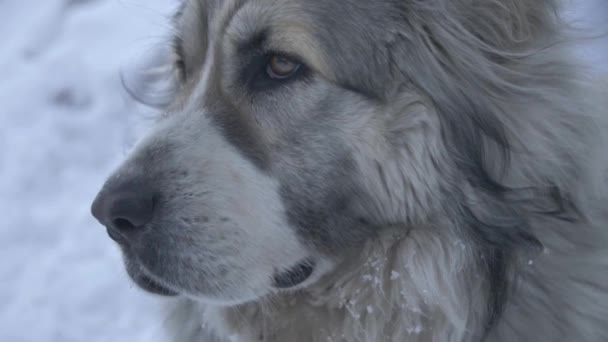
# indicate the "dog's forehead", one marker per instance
pixel 358 12
pixel 336 37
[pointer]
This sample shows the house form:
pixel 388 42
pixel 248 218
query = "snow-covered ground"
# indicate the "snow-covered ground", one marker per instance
pixel 65 122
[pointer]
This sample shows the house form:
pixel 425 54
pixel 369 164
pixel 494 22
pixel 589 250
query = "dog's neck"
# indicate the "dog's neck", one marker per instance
pixel 404 285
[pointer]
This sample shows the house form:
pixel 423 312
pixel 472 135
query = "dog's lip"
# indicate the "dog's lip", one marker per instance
pixel 117 237
pixel 295 275
pixel 150 285
pixel 143 278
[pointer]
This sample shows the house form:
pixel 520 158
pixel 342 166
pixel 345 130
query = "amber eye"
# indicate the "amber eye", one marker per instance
pixel 281 67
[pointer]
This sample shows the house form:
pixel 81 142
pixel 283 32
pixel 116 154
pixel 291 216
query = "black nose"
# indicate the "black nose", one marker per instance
pixel 124 208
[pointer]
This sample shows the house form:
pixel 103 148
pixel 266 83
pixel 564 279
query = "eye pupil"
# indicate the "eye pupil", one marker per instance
pixel 281 67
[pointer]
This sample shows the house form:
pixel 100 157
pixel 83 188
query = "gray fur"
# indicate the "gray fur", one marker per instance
pixel 441 161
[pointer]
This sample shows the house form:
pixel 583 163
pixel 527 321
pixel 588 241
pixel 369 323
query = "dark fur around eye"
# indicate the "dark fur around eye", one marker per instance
pixel 256 77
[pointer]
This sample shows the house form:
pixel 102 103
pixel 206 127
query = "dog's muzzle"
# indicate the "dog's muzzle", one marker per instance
pixel 125 206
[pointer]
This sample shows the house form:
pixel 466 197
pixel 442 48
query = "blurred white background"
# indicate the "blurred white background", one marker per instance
pixel 65 122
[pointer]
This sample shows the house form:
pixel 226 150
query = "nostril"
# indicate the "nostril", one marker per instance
pixel 123 224
pixel 129 212
pixel 125 208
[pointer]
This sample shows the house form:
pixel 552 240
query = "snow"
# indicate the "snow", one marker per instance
pixel 65 123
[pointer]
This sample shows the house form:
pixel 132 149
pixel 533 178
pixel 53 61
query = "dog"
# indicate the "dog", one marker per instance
pixel 371 170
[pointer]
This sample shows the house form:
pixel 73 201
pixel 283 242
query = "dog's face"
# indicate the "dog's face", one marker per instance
pixel 292 139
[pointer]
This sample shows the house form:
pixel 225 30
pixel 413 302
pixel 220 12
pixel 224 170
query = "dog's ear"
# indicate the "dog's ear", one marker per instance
pixel 477 53
pixel 506 23
pixel 503 25
pixel 477 60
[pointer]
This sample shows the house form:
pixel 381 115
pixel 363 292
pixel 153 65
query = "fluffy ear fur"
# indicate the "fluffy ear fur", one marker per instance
pixel 513 119
pixel 506 24
pixel 515 139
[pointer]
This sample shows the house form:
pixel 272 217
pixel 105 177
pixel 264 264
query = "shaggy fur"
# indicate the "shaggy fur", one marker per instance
pixel 442 164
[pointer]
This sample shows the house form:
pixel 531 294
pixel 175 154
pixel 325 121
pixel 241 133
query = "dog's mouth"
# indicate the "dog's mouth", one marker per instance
pixel 142 279
pixel 284 279
pixel 294 276
pixel 281 280
pixel 148 284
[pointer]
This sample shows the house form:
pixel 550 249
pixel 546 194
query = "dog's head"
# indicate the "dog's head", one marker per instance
pixel 300 128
